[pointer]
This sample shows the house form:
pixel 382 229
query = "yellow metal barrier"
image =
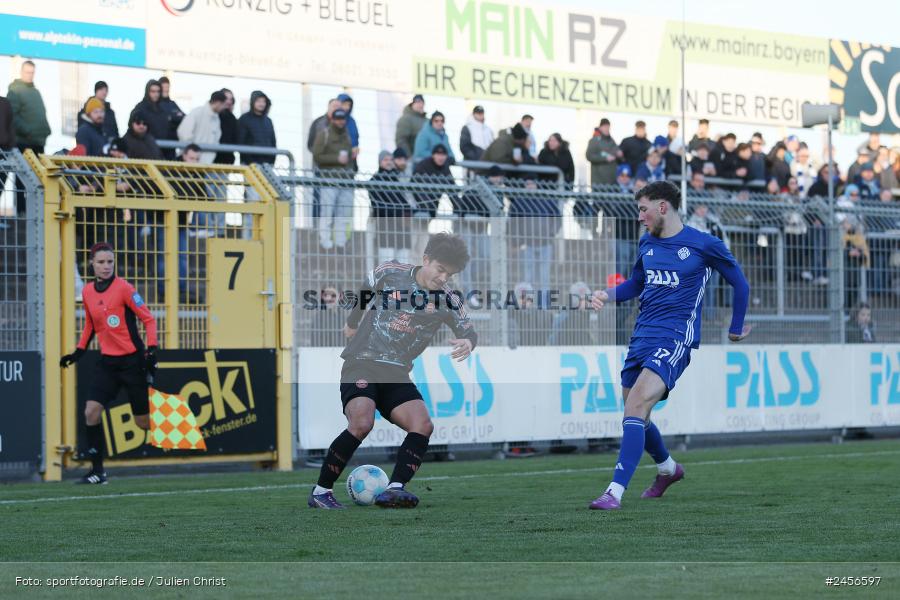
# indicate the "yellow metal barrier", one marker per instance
pixel 205 245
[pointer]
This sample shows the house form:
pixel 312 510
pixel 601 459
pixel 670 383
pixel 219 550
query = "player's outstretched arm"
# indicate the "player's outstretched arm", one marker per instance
pixel 725 263
pixel 630 288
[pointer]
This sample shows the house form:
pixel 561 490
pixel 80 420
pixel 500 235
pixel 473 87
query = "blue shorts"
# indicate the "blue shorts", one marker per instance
pixel 666 357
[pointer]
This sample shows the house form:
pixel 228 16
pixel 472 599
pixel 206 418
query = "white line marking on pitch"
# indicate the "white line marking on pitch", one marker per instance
pixel 290 486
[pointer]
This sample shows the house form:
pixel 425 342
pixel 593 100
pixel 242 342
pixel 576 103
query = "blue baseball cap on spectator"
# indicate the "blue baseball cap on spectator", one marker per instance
pixel 661 141
pixel 623 169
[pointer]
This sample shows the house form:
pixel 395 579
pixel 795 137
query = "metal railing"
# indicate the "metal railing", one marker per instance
pixel 483 166
pixel 239 148
pixel 807 282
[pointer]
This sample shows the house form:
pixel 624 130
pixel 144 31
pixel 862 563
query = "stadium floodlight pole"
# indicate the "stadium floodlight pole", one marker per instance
pixel 682 44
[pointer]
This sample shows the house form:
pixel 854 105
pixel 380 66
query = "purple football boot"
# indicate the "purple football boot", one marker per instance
pixel 662 483
pixel 326 501
pixel 396 497
pixel 605 502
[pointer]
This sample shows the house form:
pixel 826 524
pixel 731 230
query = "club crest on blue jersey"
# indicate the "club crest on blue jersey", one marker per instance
pixel 138 301
pixel 659 277
pixel 683 253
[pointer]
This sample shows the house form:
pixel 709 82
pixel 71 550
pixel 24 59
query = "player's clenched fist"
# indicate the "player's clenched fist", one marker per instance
pixel 598 299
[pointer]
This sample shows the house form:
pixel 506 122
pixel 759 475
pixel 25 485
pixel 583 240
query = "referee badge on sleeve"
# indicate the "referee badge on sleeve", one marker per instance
pixel 136 298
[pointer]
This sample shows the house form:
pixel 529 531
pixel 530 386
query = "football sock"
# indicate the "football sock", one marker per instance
pixel 95 446
pixel 653 444
pixel 616 490
pixel 630 451
pixel 667 467
pixel 395 485
pixel 342 448
pixel 320 490
pixel 409 457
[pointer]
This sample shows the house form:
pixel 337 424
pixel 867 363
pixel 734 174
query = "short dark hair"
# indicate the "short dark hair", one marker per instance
pixel 218 96
pixel 743 146
pixel 729 136
pixel 163 80
pixel 101 247
pixel 640 124
pixel 28 62
pixel 526 116
pixel 703 121
pixel 673 122
pixel 437 114
pixel 661 190
pixel 448 249
pixel 192 147
pixel 100 85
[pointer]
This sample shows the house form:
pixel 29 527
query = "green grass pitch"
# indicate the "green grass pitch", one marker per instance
pixel 761 521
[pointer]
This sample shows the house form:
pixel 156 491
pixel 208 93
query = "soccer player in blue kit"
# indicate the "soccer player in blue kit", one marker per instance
pixel 670 275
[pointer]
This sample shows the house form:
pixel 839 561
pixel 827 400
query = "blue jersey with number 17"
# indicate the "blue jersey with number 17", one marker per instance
pixel 671 276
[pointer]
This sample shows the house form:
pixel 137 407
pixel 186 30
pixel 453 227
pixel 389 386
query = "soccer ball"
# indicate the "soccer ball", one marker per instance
pixel 365 483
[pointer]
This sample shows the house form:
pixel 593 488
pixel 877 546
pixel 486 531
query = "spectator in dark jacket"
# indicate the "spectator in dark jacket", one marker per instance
pixel 701 138
pixel 510 147
pixel 7 129
pixel 475 136
pixel 409 124
pixel 156 118
pixel 170 107
pixel 138 142
pixel 602 152
pixel 778 168
pixel 390 211
pixel 110 125
pixel 820 185
pixel 29 113
pixel 229 126
pixel 725 157
pixel 756 168
pixel 702 163
pixel 434 169
pixel 634 148
pixel 556 154
pixel 670 160
pixel 90 129
pixel 869 188
pixel 744 154
pixel 255 128
pixel 321 123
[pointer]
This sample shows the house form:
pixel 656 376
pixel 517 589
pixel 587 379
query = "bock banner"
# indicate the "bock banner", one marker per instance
pixel 231 392
pixel 551 393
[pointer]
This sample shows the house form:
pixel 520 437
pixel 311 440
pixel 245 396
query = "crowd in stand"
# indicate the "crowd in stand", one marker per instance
pixel 422 151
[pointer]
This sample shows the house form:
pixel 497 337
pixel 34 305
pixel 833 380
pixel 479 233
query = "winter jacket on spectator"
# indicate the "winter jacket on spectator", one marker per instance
pixel 157 119
pixel 501 149
pixel 428 171
pixel 756 167
pixel 29 114
pixel 319 124
pixel 601 153
pixel 7 129
pixel 697 164
pixel 387 203
pixel 868 190
pixel 672 162
pixel 778 167
pixel 819 188
pixel 634 150
pixel 143 148
pixel 201 126
pixel 176 115
pixel 726 162
pixel 90 135
pixel 352 129
pixel 698 141
pixel 408 127
pixel 649 173
pixel 110 125
pixel 228 123
pixel 427 139
pixel 257 130
pixel 328 146
pixel 474 139
pixel 562 159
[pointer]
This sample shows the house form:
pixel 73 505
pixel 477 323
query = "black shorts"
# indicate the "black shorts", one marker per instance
pixel 115 372
pixel 388 385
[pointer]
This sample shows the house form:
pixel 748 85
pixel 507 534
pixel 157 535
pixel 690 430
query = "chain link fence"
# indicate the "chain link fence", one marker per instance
pixel 818 273
pixel 21 253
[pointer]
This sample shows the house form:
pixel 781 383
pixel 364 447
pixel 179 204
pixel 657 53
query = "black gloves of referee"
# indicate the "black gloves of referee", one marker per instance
pixel 150 361
pixel 71 359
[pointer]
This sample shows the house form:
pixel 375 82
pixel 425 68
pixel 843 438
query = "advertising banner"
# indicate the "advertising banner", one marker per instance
pixel 551 393
pixel 231 392
pixel 865 81
pixel 20 407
